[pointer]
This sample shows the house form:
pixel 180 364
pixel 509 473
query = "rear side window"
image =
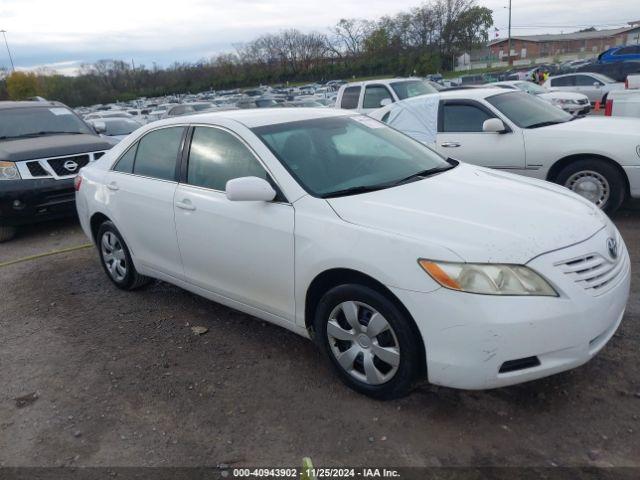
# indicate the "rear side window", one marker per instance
pixel 374 94
pixel 463 118
pixel 216 157
pixel 350 98
pixel 125 164
pixel 157 153
pixel 563 81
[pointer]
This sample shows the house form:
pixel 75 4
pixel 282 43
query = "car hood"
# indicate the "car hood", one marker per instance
pixel 563 95
pixel 51 146
pixel 479 214
pixel 599 126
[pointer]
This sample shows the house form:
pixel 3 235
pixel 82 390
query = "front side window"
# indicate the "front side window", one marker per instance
pixel 374 95
pixel 586 81
pixel 412 88
pixel 330 156
pixel 157 153
pixel 216 156
pixel 463 118
pixel 350 98
pixel 527 111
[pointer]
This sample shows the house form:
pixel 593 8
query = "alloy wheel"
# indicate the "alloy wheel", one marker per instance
pixel 363 342
pixel 113 256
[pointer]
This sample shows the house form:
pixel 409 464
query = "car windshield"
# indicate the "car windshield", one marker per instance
pixel 528 111
pixel 198 107
pixel 121 127
pixel 604 78
pixel 531 87
pixel 39 121
pixel 411 88
pixel 344 155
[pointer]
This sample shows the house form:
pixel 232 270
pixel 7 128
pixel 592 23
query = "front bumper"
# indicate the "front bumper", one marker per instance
pixel 30 201
pixel 468 338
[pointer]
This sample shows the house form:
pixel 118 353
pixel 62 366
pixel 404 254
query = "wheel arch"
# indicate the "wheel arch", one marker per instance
pixel 331 278
pixel 97 219
pixel 557 167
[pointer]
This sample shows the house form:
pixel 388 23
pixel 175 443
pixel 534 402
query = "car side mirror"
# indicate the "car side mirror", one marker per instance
pixel 249 189
pixel 385 101
pixel 100 127
pixel 494 125
pixel 596 84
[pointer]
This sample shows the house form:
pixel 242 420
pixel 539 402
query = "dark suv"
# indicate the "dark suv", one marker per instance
pixel 43 145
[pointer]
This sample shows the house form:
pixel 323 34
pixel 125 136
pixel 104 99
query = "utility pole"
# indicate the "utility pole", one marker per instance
pixel 4 34
pixel 509 54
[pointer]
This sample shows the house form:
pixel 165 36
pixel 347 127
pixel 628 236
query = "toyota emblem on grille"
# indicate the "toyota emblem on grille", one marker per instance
pixel 612 246
pixel 70 165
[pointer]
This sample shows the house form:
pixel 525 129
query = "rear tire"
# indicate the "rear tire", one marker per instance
pixel 116 259
pixel 368 340
pixel 7 232
pixel 597 181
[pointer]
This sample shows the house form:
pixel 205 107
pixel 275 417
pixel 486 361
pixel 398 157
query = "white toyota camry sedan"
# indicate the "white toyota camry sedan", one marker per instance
pixel 398 263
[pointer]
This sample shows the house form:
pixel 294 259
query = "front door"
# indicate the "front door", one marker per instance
pixel 241 250
pixel 461 137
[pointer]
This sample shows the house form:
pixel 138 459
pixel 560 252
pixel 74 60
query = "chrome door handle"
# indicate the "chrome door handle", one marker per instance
pixel 185 205
pixel 113 186
pixel 450 144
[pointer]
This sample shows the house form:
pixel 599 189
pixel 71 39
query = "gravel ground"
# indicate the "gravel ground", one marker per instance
pixel 92 376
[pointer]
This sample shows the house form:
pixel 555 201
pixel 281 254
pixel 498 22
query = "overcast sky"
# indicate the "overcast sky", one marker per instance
pixel 64 33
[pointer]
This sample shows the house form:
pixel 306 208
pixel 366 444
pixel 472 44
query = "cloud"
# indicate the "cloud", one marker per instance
pixel 44 32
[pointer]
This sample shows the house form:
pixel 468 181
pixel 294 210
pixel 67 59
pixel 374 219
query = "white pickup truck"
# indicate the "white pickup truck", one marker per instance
pixel 625 103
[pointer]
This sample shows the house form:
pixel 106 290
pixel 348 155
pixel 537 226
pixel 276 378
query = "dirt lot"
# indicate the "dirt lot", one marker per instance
pixel 92 376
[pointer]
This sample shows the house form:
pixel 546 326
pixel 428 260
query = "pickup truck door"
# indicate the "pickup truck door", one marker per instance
pixel 460 136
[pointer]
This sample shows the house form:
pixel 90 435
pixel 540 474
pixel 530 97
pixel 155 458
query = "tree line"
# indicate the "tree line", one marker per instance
pixel 422 40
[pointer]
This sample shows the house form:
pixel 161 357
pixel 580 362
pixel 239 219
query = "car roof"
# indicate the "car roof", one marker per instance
pixel 257 117
pixel 382 80
pixel 5 105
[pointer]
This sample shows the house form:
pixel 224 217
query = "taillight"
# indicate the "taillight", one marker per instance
pixel 77 182
pixel 608 108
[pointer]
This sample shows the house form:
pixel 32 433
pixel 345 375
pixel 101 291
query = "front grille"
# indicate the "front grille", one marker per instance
pixel 65 166
pixel 37 170
pixel 595 272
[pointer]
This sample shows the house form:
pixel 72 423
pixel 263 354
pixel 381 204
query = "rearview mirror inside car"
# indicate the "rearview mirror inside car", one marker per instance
pixel 249 189
pixel 494 125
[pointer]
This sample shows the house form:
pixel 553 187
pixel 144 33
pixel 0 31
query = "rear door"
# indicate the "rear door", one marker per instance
pixel 141 187
pixel 242 251
pixel 460 136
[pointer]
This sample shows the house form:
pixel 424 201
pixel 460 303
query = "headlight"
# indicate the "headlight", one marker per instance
pixel 9 171
pixel 488 278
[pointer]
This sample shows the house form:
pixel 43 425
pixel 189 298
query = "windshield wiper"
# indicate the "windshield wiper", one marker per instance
pixel 420 175
pixel 354 190
pixel 544 124
pixel 38 134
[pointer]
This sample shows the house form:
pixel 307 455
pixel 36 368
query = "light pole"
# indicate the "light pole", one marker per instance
pixel 4 34
pixel 509 33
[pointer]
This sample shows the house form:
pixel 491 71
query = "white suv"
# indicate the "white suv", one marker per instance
pixel 339 228
pixel 366 96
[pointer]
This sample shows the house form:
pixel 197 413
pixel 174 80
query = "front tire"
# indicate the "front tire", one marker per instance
pixel 597 181
pixel 116 259
pixel 369 341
